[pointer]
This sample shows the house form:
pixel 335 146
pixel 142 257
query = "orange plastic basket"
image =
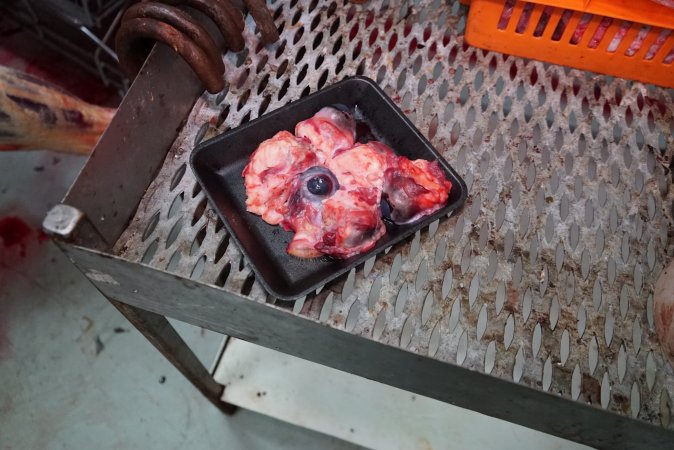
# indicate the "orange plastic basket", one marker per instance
pixel 632 39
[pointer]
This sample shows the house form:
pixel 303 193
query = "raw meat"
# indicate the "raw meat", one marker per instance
pixel 37 115
pixel 600 32
pixel 618 37
pixel 331 191
pixel 269 172
pixel 638 41
pixel 362 165
pixel 415 189
pixel 582 26
pixel 657 45
pixel 329 130
pixel 344 224
pixel 578 33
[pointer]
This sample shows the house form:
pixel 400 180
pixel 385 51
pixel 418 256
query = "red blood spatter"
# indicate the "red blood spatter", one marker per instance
pixel 17 239
pixel 16 234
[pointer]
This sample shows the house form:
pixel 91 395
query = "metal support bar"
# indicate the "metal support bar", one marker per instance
pixel 139 286
pixel 69 224
pixel 165 338
pixel 167 103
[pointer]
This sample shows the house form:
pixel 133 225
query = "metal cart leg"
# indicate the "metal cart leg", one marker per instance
pixel 164 337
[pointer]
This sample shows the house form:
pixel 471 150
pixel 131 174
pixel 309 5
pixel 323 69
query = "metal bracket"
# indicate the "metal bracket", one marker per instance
pixel 69 224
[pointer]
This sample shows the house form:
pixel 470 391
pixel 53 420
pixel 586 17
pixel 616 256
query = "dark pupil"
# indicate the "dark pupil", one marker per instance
pixel 319 185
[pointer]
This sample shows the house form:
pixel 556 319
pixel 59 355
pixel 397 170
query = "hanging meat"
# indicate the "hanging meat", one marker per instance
pixel 335 193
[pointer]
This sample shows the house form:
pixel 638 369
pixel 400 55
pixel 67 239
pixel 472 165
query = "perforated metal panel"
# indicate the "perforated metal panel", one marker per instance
pixel 544 278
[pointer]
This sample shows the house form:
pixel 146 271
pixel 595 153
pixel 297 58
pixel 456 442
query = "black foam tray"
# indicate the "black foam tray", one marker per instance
pixel 218 163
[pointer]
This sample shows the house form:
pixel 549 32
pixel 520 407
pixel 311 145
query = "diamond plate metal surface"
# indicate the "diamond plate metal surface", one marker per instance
pixel 544 278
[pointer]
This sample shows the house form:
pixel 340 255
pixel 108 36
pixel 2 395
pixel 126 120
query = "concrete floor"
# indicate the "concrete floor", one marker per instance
pixel 73 373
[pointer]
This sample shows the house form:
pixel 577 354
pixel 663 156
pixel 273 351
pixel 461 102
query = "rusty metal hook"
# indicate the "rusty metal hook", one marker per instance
pixel 182 22
pixel 164 22
pixel 132 55
pixel 228 19
pixel 263 19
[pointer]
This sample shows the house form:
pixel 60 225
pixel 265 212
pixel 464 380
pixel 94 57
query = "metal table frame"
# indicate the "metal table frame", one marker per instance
pixel 107 194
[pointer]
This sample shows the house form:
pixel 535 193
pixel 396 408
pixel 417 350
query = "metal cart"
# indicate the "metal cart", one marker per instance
pixel 533 304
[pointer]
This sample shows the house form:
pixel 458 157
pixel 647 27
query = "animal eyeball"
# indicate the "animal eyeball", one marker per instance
pixel 319 182
pixel 319 185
